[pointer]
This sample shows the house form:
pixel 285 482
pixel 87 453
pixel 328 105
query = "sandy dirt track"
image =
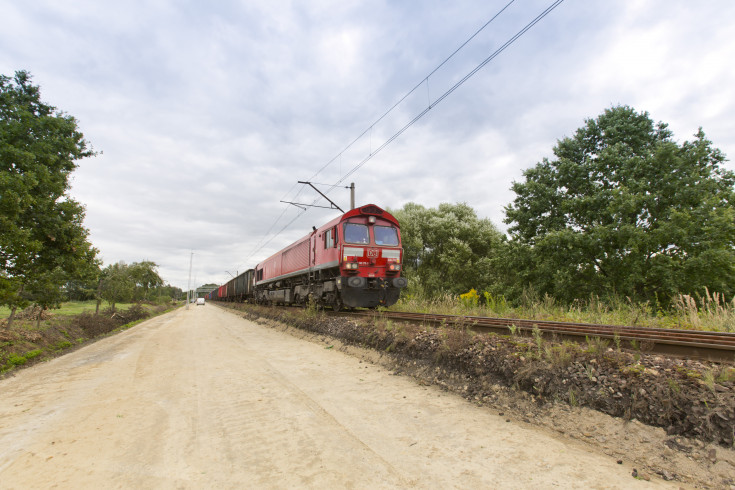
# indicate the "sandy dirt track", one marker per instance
pixel 201 398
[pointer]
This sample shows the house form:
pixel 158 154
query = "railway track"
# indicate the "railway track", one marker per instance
pixel 711 346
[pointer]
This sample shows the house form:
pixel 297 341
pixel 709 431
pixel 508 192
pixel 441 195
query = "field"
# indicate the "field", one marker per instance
pixel 72 308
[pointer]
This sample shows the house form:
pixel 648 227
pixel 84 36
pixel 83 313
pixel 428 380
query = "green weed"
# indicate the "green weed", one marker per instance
pixel 634 369
pixel 709 379
pixel 496 304
pixel 34 353
pixel 312 308
pixel 561 354
pixel 64 344
pixel 689 373
pixel 589 371
pixel 596 345
pixel 726 374
pixel 16 360
pixel 538 339
pixel 674 386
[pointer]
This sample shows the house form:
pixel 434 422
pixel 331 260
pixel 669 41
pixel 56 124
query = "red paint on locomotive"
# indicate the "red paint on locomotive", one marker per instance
pixel 354 260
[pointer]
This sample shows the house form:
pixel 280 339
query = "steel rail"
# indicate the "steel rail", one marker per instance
pixel 712 346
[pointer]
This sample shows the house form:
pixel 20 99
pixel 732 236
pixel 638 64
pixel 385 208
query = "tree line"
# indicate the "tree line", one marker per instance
pixel 122 283
pixel 622 210
pixel 45 254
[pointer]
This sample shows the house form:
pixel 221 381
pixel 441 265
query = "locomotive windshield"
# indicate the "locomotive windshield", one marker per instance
pixel 385 235
pixel 356 233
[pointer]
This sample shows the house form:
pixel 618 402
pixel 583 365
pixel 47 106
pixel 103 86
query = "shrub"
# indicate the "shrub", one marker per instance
pixel 470 299
pixel 93 325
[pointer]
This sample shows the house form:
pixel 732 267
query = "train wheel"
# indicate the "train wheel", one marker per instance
pixel 337 304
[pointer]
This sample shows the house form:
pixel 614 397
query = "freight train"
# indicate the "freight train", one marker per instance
pixel 353 261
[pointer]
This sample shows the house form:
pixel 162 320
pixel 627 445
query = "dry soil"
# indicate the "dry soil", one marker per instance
pixel 201 398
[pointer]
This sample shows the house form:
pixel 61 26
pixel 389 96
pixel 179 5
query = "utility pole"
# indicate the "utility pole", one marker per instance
pixel 352 195
pixel 188 284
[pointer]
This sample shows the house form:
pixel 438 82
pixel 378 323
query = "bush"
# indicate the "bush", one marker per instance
pixel 135 312
pixel 93 325
pixel 470 299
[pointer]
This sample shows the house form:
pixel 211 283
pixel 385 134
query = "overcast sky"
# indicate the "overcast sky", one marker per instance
pixel 205 117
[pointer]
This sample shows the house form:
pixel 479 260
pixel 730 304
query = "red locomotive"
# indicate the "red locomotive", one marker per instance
pixel 353 261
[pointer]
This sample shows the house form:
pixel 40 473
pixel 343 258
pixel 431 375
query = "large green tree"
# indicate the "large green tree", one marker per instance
pixel 448 249
pixel 145 275
pixel 43 243
pixel 120 282
pixel 117 284
pixel 624 209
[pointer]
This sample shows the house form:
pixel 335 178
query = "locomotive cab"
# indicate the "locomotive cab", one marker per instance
pixel 355 260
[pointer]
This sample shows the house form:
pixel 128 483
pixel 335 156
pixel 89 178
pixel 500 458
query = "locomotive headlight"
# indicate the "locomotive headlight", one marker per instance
pixel 394 267
pixel 371 220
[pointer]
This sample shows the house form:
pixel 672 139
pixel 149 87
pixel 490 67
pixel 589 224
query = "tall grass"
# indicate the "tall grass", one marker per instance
pixel 709 312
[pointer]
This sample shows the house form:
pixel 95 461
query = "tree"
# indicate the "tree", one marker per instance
pixel 624 209
pixel 42 241
pixel 117 284
pixel 168 291
pixel 145 276
pixel 449 248
pixel 81 289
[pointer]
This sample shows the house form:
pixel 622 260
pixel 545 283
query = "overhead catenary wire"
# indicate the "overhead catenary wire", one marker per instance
pixel 410 92
pixel 449 91
pixel 415 119
pixel 260 245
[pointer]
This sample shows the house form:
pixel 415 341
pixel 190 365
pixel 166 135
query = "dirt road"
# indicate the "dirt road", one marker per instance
pixel 201 398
